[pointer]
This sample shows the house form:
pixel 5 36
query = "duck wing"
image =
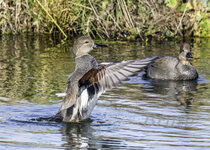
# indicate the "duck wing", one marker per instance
pixel 104 77
pixel 83 95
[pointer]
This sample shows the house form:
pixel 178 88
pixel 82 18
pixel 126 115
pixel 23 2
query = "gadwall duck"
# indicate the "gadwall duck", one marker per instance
pixel 172 67
pixel 90 80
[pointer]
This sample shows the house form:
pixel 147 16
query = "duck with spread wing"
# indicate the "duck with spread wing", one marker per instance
pixel 90 80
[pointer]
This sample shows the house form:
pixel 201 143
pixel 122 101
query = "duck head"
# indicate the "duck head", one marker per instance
pixel 185 54
pixel 83 45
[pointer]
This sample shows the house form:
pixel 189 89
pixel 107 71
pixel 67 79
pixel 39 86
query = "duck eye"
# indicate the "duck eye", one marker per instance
pixel 86 42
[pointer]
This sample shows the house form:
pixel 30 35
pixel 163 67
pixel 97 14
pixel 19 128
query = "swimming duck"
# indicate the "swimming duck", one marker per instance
pixel 90 80
pixel 172 67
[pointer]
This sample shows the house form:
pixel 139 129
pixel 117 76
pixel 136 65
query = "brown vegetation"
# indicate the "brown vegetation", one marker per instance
pixel 121 19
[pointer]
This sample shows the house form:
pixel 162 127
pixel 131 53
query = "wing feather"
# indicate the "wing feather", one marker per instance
pixel 108 76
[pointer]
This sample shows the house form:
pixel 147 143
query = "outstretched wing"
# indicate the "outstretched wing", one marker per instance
pixel 104 77
pixel 83 95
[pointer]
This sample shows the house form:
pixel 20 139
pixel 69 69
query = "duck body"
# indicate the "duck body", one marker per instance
pixel 172 67
pixel 79 104
pixel 90 80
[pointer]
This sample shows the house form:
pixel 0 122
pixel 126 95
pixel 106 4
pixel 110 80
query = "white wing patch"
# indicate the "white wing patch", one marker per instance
pixel 87 104
pixel 84 99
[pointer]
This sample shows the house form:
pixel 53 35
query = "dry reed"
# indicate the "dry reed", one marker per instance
pixel 121 19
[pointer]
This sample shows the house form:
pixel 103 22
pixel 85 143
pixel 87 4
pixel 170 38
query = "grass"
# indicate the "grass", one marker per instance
pixel 108 19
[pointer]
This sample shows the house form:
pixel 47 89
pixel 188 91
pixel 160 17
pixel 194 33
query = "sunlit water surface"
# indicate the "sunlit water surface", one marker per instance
pixel 138 114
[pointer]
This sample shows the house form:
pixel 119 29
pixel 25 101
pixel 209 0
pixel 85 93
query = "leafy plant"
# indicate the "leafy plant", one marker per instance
pixel 171 3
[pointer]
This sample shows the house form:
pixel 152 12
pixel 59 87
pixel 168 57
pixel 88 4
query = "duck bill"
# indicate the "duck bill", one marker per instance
pixel 99 45
pixel 189 56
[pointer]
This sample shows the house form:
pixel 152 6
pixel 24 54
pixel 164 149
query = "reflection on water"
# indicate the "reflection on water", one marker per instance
pixel 138 114
pixel 28 68
pixel 83 135
pixel 181 91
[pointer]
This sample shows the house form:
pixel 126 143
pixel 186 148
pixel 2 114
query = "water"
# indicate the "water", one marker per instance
pixel 139 114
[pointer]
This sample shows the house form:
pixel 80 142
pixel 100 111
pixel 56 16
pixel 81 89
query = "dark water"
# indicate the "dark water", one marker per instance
pixel 139 114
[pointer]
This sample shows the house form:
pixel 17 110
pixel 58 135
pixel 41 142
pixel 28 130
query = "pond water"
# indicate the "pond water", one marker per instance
pixel 138 114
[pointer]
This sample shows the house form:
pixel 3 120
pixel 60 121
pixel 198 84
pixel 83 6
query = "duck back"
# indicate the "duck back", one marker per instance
pixel 171 68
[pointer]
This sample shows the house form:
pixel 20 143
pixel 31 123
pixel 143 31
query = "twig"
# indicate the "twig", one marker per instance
pixel 52 19
pixel 113 20
pixel 125 13
pixel 130 19
pixel 124 18
pixel 96 31
pixel 98 18
pixel 181 18
pixel 80 5
pixel 88 22
pixel 150 7
pixel 128 14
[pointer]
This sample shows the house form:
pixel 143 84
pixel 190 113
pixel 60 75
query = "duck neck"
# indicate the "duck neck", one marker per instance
pixel 184 61
pixel 85 62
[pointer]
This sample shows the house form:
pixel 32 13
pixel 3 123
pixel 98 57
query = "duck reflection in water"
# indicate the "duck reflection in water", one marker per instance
pixel 182 91
pixel 85 135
